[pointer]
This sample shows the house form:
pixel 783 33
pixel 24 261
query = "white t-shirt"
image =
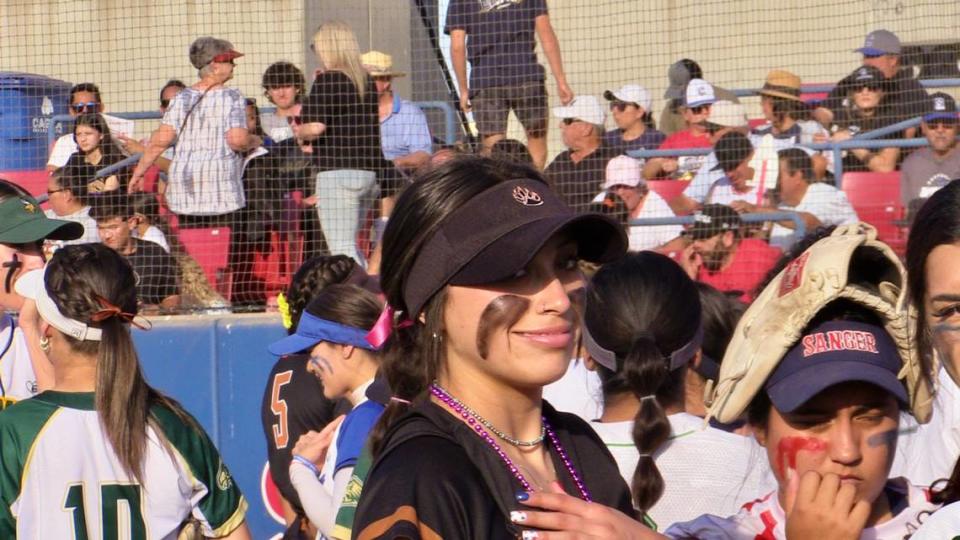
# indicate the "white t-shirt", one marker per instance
pixel 82 216
pixel 927 452
pixel 722 192
pixel 766 520
pixel 705 470
pixel 65 146
pixel 16 370
pixel 577 392
pixel 827 203
pixel 155 235
pixel 944 523
pixel 649 237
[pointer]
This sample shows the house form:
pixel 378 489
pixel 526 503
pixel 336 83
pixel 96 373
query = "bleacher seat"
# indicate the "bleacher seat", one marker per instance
pixel 211 249
pixel 34 181
pixel 876 198
pixel 668 189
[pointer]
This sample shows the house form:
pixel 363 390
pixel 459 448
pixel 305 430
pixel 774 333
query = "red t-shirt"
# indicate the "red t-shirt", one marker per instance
pixel 687 166
pixel 749 265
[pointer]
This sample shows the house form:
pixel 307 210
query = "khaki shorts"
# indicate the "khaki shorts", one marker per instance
pixel 527 100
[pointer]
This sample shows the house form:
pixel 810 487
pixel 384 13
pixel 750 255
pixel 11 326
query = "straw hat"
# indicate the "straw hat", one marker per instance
pixel 782 84
pixel 379 64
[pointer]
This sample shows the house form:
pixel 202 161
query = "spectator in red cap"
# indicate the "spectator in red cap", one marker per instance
pixel 208 123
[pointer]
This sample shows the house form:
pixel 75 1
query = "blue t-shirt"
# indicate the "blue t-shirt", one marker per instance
pixel 405 131
pixel 501 39
pixel 354 431
pixel 650 140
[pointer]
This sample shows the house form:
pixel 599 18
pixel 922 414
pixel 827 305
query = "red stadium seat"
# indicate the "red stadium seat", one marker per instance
pixel 668 189
pixel 211 249
pixel 33 181
pixel 876 198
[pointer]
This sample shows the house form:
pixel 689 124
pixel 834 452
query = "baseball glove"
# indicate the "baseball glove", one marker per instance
pixel 850 264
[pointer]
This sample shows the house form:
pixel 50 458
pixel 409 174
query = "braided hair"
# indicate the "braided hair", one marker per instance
pixel 312 277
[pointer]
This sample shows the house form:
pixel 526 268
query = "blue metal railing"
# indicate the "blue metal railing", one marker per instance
pixel 449 119
pixel 800 228
pixel 820 88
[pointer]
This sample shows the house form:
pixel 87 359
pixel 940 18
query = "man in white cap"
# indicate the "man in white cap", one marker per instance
pixel 624 179
pixel 881 49
pixel 630 108
pixel 698 100
pixel 578 172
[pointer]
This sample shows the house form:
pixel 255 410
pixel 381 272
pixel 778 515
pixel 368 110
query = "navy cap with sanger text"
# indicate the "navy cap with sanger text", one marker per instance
pixel 831 353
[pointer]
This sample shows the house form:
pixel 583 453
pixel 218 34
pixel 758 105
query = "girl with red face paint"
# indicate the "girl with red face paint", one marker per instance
pixel 828 418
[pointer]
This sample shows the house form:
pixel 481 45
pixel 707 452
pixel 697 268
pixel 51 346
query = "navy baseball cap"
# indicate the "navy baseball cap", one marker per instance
pixel 831 353
pixel 942 107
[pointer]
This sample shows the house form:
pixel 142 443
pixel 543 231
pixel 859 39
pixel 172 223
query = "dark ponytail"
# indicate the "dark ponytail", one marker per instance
pixel 643 308
pixel 414 353
pixel 77 278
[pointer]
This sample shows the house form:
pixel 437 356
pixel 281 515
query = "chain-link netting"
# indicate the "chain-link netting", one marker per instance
pixel 717 131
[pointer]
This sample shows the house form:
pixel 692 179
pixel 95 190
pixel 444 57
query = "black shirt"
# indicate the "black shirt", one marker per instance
pixel 849 119
pixel 579 183
pixel 352 137
pixel 77 167
pixel 156 270
pixel 435 474
pixel 293 404
pixel 906 97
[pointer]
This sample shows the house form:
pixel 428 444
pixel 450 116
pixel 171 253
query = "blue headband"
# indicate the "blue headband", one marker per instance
pixel 312 330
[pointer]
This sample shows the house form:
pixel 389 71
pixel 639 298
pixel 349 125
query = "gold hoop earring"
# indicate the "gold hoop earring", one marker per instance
pixel 45 344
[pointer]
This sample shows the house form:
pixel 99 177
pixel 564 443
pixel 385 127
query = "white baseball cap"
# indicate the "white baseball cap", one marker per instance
pixel 630 93
pixel 586 108
pixel 623 171
pixel 728 114
pixel 699 92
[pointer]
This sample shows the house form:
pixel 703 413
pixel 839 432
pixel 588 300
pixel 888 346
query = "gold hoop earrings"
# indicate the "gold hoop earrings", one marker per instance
pixel 45 344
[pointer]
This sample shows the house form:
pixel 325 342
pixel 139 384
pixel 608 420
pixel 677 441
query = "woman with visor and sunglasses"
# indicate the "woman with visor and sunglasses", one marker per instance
pixel 24 369
pixel 866 110
pixel 642 331
pixel 481 260
pixel 137 463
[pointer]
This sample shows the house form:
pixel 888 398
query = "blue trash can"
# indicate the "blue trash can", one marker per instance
pixel 27 103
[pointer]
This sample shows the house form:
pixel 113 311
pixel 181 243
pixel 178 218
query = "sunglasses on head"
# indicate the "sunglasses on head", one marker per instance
pixel 700 109
pixel 622 105
pixel 83 107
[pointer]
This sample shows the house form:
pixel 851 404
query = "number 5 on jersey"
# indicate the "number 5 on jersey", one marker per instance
pixel 281 435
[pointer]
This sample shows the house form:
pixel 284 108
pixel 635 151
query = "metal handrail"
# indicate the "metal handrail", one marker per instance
pixel 821 88
pixel 800 228
pixel 449 119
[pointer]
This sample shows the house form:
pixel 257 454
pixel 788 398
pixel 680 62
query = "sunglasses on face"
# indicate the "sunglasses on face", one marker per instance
pixel 164 103
pixel 942 124
pixel 569 121
pixel 621 105
pixel 700 109
pixel 58 190
pixel 294 120
pixel 868 87
pixel 83 107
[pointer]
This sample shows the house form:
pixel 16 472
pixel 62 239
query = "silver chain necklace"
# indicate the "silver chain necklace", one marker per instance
pixel 486 423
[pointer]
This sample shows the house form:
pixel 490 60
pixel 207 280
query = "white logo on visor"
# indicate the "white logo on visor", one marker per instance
pixel 527 197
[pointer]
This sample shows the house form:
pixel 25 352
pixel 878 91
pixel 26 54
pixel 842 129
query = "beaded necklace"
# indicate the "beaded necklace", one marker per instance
pixel 478 427
pixel 486 423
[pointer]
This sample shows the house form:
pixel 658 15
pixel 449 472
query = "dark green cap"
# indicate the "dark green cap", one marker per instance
pixel 22 221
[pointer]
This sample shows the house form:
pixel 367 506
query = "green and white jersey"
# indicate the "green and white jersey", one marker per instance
pixel 60 478
pixel 16 371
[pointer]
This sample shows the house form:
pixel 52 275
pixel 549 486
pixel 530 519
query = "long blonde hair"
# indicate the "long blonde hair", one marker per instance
pixel 336 45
